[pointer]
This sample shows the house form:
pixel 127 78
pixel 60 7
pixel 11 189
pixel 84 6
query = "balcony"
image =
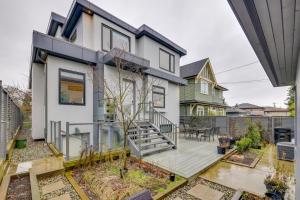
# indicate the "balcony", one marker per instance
pixel 191 92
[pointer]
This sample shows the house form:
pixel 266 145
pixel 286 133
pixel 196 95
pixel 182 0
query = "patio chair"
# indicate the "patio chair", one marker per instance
pixel 206 134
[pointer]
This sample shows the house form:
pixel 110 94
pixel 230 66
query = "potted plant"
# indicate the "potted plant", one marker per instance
pixel 276 185
pixel 221 149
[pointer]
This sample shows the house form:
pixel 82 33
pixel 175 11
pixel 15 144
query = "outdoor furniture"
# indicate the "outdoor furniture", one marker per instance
pixel 224 142
pixel 206 134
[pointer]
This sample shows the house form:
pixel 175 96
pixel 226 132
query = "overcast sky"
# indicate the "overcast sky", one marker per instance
pixel 205 28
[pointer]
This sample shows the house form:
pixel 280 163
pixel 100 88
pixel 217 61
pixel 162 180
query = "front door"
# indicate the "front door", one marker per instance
pixel 129 92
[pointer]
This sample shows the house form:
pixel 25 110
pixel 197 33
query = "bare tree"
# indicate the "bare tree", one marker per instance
pixel 119 90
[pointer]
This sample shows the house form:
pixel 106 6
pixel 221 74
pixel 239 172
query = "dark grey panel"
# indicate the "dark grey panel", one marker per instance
pixel 62 49
pixel 166 76
pixel 55 21
pixel 146 30
pixel 129 58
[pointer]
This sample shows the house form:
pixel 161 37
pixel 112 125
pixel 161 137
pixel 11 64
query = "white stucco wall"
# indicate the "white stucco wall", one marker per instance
pixel 38 101
pixel 69 113
pixel 149 49
pixel 171 110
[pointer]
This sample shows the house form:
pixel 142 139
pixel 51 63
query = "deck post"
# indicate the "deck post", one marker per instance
pixel 67 140
pixel 59 137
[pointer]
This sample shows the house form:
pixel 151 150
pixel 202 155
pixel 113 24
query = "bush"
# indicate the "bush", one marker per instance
pixel 243 145
pixel 254 134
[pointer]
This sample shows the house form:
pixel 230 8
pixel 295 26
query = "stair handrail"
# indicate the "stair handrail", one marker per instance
pixel 157 121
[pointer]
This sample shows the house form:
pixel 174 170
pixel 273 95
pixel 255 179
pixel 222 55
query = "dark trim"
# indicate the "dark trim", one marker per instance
pixel 166 76
pixel 170 57
pixel 59 87
pixel 159 93
pixel 55 21
pixel 111 37
pixel 80 6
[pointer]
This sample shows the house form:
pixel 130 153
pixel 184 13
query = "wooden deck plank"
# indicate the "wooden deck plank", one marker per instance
pixel 189 158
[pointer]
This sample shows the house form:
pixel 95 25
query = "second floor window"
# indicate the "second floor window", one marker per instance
pixel 204 87
pixel 112 38
pixel 166 61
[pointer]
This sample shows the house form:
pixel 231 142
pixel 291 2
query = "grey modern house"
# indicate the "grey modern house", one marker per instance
pixel 75 61
pixel 273 30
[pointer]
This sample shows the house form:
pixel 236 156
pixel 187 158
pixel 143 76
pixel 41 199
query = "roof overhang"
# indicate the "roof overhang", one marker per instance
pixel 194 101
pixel 80 6
pixel 128 60
pixel 55 21
pixel 221 88
pixel 273 30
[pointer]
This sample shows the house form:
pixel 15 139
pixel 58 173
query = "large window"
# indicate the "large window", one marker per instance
pixel 112 38
pixel 200 111
pixel 166 61
pixel 204 87
pixel 158 97
pixel 71 87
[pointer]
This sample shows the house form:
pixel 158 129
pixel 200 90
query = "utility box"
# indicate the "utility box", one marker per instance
pixel 286 151
pixel 282 135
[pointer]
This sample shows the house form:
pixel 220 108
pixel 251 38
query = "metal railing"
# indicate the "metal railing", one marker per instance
pixel 77 136
pixel 166 127
pixel 10 118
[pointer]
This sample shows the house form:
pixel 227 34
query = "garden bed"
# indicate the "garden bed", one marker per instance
pixel 250 196
pixel 19 188
pixel 103 180
pixel 56 186
pixel 248 159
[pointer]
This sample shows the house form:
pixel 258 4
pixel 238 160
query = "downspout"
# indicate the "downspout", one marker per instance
pixel 45 98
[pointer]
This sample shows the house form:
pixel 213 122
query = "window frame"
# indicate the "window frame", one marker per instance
pixel 59 87
pixel 159 93
pixel 171 69
pixel 201 84
pixel 111 38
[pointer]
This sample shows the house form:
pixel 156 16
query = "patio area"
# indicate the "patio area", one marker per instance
pixel 190 157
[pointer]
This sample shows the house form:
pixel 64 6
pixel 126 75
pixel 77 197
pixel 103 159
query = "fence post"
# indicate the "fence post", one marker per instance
pixel 67 140
pixel 51 136
pixel 59 137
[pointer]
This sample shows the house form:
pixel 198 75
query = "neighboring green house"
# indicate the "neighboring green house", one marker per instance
pixel 202 96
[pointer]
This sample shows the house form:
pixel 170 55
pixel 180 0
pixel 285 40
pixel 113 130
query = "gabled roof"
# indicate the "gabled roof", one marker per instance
pixel 192 69
pixel 55 21
pixel 80 6
pixel 247 106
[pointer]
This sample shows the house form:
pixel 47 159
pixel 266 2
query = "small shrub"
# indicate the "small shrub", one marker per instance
pixel 243 145
pixel 254 134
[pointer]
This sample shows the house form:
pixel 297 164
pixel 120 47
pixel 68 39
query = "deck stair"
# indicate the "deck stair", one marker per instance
pixel 147 139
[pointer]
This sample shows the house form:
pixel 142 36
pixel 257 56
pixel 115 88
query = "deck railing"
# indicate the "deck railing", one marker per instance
pixel 10 120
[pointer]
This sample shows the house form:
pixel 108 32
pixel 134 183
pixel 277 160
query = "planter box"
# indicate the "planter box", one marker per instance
pixel 221 150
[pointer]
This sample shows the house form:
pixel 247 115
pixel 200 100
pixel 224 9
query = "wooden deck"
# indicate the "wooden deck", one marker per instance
pixel 190 157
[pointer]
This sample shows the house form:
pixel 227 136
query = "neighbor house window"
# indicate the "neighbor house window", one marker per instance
pixel 158 97
pixel 112 38
pixel 204 87
pixel 200 111
pixel 166 61
pixel 71 87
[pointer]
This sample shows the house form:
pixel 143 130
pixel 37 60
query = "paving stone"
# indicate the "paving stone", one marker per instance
pixel 62 197
pixel 204 192
pixel 178 198
pixel 52 187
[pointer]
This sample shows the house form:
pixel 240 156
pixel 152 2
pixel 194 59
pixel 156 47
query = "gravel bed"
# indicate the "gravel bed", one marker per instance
pixel 34 149
pixel 182 192
pixel 19 188
pixel 67 189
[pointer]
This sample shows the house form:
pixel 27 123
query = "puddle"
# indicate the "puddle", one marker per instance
pixel 251 179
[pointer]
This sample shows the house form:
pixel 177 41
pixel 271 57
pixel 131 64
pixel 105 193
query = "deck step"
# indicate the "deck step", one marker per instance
pixel 141 129
pixel 143 134
pixel 143 145
pixel 149 138
pixel 155 150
